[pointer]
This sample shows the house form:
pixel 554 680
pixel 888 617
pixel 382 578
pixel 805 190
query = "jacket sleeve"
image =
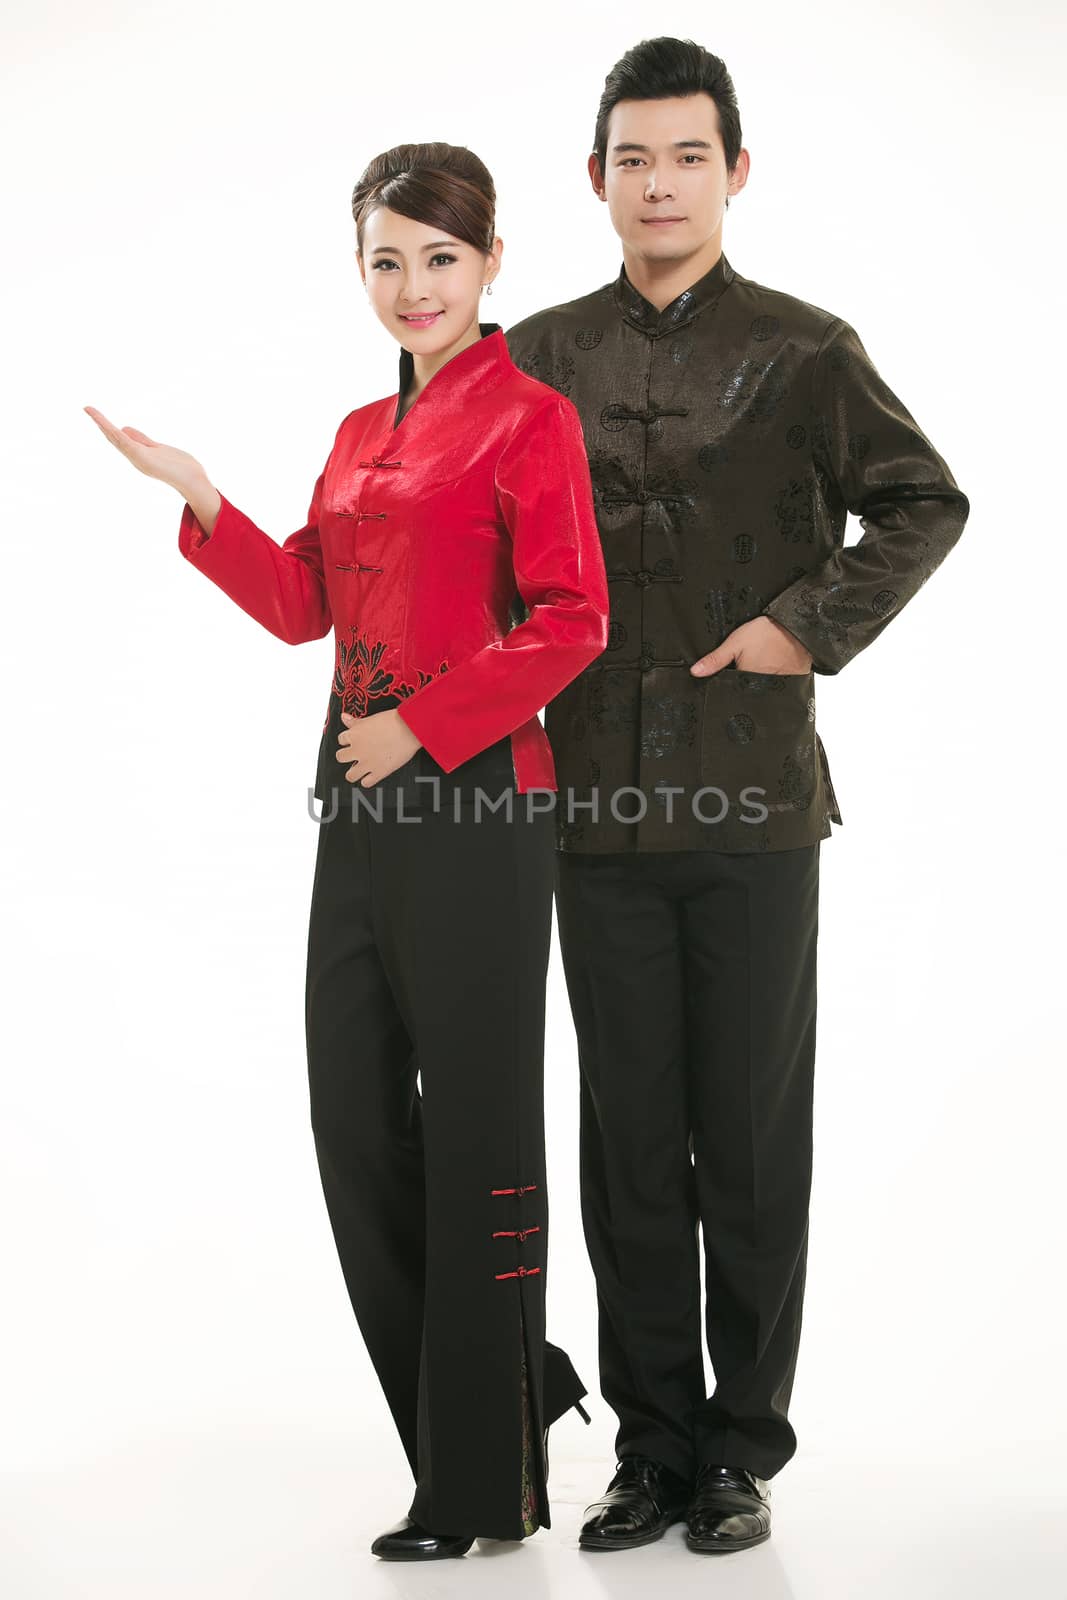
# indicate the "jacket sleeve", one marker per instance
pixel 872 459
pixel 545 498
pixel 281 586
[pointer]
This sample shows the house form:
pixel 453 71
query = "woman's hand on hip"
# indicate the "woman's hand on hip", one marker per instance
pixel 373 747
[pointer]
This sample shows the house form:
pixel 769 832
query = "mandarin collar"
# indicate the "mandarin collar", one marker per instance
pixel 472 364
pixel 699 296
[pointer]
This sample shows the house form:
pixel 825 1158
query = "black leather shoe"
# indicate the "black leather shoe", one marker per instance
pixel 410 1541
pixel 641 1502
pixel 729 1510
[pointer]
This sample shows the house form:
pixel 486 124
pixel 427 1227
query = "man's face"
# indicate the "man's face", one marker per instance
pixel 664 160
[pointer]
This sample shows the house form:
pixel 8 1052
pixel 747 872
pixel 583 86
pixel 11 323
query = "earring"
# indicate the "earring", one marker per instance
pixel 488 287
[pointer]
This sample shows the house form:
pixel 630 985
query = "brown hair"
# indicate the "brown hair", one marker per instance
pixel 444 185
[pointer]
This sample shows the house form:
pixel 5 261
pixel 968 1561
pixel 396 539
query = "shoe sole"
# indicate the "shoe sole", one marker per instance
pixel 419 1555
pixel 615 1542
pixel 723 1547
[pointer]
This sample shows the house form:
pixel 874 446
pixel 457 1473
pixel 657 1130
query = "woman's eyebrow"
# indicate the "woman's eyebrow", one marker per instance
pixel 435 245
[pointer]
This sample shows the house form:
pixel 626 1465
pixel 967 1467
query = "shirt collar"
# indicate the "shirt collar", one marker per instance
pixel 699 296
pixel 471 365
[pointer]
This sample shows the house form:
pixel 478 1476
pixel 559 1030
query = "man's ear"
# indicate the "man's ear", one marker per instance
pixel 596 177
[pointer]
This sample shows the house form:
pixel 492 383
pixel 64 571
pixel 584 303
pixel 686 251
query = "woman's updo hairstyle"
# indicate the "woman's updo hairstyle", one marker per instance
pixel 444 185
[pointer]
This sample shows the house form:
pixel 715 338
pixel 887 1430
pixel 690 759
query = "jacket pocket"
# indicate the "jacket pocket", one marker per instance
pixel 758 742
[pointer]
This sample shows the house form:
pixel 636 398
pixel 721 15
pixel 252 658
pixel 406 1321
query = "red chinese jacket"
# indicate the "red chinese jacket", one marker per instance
pixel 422 536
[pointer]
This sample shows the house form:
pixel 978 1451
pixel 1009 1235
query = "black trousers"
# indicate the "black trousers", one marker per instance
pixel 428 948
pixel 692 980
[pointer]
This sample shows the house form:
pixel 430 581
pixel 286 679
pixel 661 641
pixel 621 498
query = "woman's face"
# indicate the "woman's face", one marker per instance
pixel 425 285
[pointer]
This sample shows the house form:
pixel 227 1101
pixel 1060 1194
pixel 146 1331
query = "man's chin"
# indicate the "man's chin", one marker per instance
pixel 662 244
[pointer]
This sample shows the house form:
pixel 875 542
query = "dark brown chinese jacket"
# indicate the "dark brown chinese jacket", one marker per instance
pixel 728 436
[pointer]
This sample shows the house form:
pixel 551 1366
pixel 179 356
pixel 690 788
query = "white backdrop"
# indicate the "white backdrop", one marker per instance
pixel 188 1407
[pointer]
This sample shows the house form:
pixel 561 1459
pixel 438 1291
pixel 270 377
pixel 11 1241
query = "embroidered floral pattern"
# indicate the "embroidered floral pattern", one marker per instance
pixel 557 372
pixel 530 1519
pixel 611 701
pixel 728 607
pixel 672 723
pixel 359 677
pixel 753 389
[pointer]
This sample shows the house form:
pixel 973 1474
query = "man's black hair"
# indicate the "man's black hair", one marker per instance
pixel 661 69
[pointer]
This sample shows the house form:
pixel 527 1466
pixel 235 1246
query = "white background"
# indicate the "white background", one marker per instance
pixel 188 1408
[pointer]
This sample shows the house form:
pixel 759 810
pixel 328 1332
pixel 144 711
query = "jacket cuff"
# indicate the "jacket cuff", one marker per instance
pixel 807 635
pixel 420 717
pixel 192 537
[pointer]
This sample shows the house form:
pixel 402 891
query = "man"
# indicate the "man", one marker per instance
pixel 730 429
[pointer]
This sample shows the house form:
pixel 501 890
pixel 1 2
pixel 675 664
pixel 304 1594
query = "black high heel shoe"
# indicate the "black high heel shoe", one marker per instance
pixel 563 1390
pixel 408 1540
pixel 582 1412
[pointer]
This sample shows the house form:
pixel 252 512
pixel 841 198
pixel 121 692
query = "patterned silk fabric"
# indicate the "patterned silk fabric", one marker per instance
pixel 728 436
pixel 530 1520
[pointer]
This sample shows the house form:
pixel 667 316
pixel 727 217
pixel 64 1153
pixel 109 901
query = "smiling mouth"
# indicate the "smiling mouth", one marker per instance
pixel 420 316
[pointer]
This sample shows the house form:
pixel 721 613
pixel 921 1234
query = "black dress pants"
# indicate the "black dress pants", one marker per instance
pixel 692 981
pixel 428 949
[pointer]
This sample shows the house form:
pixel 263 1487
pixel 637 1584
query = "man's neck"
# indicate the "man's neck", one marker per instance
pixel 663 281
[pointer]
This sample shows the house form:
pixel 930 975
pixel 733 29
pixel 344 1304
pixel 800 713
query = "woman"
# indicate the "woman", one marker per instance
pixel 439 509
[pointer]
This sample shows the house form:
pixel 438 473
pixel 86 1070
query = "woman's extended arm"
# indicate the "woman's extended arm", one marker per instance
pixel 281 586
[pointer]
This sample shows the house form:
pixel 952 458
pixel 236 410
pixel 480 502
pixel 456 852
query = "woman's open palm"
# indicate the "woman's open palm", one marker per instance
pixel 163 461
